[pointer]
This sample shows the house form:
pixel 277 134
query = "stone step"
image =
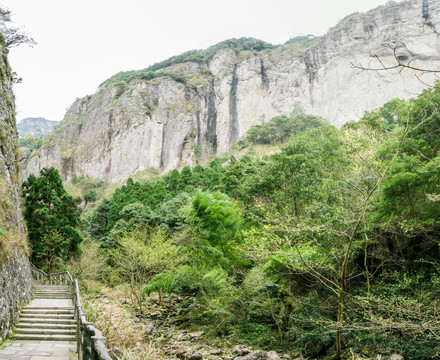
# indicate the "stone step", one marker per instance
pixel 52 287
pixel 47 321
pixel 46 337
pixel 46 311
pixel 52 297
pixel 49 316
pixel 48 308
pixel 37 331
pixel 45 325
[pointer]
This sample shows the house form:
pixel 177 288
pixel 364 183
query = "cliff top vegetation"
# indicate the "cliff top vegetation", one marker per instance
pixel 198 56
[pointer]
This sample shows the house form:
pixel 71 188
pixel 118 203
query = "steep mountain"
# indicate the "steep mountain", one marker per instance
pixel 36 127
pixel 198 104
pixel 15 276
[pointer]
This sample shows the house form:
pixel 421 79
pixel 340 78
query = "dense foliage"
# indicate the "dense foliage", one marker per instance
pixel 30 142
pixel 279 128
pixel 328 246
pixel 51 216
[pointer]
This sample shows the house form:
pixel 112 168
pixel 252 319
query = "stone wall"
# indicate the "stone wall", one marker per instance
pixel 15 291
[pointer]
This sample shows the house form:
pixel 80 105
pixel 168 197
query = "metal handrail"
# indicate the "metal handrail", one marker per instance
pixel 91 344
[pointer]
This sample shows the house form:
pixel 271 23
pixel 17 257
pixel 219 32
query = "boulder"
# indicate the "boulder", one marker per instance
pixel 193 355
pixel 396 357
pixel 149 329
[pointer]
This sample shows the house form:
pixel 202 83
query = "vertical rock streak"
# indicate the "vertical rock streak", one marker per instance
pixel 425 10
pixel 264 77
pixel 233 117
pixel 211 128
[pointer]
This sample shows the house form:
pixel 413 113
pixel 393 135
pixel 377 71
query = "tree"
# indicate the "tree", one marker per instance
pixel 185 177
pixel 215 228
pixel 54 249
pixel 12 36
pixel 142 254
pixel 48 207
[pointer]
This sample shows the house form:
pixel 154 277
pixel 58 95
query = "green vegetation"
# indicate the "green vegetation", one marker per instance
pixel 279 128
pixel 198 56
pixel 30 142
pixel 88 189
pixel 51 216
pixel 302 43
pixel 327 247
pixel 10 236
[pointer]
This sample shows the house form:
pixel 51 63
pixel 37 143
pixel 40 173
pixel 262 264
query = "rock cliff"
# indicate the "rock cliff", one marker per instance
pixel 36 127
pixel 11 216
pixel 15 275
pixel 191 109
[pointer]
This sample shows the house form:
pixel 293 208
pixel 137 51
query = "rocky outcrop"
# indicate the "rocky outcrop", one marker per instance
pixel 15 276
pixel 36 127
pixel 196 109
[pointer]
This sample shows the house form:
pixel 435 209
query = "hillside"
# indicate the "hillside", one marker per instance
pixel 190 107
pixel 326 248
pixel 242 202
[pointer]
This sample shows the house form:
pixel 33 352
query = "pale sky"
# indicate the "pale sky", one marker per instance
pixel 81 43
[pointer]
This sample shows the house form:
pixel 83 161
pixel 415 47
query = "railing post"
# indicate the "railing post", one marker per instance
pixel 88 350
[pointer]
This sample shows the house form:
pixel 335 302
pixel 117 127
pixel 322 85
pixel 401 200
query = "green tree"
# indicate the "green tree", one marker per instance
pixel 216 226
pixel 185 177
pixel 172 181
pixel 48 207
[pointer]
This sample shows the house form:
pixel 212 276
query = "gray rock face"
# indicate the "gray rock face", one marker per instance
pixel 15 275
pixel 165 123
pixel 11 218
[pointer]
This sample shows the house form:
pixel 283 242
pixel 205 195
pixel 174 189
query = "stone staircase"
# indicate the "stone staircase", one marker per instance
pixel 49 316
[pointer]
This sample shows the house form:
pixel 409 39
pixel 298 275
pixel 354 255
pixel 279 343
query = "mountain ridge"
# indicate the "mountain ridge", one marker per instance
pixel 184 113
pixel 35 127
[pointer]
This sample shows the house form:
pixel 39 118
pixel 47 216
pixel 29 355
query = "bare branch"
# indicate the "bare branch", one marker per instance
pixel 399 65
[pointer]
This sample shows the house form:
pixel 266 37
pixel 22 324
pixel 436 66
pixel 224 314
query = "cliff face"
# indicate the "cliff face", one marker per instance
pixel 193 110
pixel 15 275
pixel 11 217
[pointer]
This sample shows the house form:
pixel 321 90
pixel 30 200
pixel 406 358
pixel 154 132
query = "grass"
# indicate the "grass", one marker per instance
pixel 116 322
pixel 10 338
